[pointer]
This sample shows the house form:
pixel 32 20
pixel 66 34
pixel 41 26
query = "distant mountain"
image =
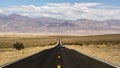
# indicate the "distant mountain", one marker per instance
pixel 25 24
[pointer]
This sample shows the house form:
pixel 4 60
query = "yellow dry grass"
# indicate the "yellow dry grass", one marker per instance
pixel 33 41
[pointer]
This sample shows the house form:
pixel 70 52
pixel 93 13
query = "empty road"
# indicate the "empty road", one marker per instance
pixel 58 57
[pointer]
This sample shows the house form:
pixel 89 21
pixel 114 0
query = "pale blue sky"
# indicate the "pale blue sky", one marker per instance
pixel 7 3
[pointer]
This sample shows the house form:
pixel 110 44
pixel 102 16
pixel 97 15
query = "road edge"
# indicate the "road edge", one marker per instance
pixel 97 59
pixel 13 61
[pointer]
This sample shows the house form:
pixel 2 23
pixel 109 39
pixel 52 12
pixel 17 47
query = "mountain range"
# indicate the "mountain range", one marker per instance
pixel 25 24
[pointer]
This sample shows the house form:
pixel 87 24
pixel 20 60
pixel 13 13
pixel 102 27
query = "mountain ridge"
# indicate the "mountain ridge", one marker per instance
pixel 26 24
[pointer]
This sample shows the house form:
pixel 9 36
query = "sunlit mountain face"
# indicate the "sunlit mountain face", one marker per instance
pixel 25 24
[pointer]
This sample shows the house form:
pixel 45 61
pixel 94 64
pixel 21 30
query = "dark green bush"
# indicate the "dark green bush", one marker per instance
pixel 18 46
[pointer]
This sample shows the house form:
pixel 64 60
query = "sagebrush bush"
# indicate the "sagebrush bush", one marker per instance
pixel 18 46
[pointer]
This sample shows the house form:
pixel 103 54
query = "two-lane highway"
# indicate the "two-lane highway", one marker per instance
pixel 58 57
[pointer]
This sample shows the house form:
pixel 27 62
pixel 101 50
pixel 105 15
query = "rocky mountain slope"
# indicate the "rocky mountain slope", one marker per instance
pixel 25 24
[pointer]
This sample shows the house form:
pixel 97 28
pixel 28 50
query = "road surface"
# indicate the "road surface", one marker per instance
pixel 58 57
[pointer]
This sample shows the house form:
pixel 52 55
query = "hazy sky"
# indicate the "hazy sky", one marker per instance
pixel 63 9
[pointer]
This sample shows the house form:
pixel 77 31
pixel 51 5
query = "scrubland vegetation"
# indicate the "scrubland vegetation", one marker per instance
pixel 35 41
pixel 7 42
pixel 107 41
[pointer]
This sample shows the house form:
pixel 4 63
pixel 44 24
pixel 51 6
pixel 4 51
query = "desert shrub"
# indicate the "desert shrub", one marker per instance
pixel 76 43
pixel 67 43
pixel 51 43
pixel 18 46
pixel 81 44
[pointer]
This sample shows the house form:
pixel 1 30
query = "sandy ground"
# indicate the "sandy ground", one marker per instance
pixel 8 55
pixel 109 55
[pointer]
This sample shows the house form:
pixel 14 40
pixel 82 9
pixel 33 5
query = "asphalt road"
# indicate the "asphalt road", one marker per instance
pixel 58 57
pixel 73 59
